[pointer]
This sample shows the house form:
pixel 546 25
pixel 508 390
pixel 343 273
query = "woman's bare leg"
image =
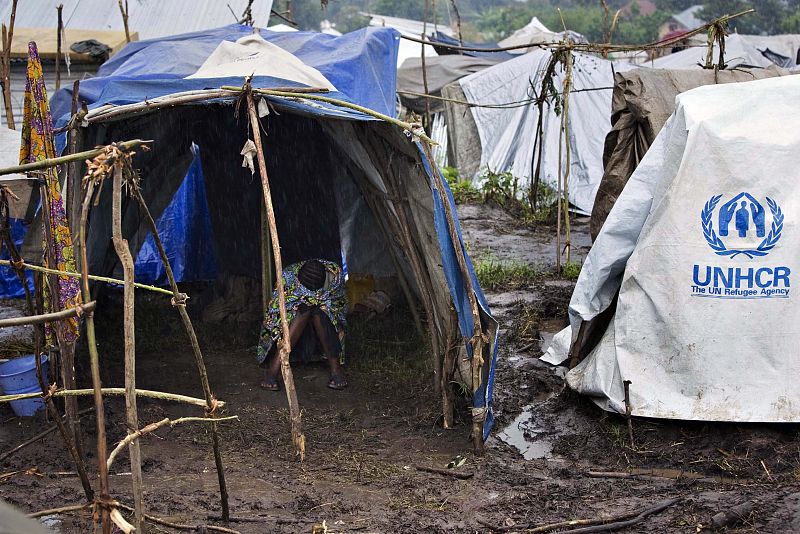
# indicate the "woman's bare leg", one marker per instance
pixel 296 328
pixel 333 359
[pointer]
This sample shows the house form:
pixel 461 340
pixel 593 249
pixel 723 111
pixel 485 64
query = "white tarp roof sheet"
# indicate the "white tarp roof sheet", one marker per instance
pixel 507 135
pixel 410 28
pixel 536 32
pixel 704 249
pixel 253 55
pixel 739 52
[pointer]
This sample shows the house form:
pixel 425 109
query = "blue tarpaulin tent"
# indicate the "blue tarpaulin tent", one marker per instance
pixel 324 161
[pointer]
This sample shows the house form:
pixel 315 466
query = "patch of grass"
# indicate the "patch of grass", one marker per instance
pixel 524 328
pixel 571 270
pixel 388 351
pixel 494 274
pixel 463 190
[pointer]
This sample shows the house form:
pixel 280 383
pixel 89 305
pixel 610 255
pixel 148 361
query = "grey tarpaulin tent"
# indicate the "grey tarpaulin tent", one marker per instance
pixel 643 101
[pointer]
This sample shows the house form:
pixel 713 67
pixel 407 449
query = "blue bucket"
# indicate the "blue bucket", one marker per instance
pixel 27 407
pixel 19 376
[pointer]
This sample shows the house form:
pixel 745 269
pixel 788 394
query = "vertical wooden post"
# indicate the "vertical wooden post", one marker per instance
pixel 124 11
pixel 284 345
pixel 126 259
pixel 427 122
pixel 59 31
pixel 7 36
pixel 178 301
pixel 94 360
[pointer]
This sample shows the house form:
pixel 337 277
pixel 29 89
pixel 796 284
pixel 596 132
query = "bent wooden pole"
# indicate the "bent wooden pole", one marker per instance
pixel 179 301
pixel 94 363
pixel 284 345
pixel 131 413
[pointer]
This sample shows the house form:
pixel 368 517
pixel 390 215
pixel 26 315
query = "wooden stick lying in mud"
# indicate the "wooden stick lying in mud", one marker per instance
pixel 619 522
pixel 588 525
pixel 61 510
pixel 113 391
pixel 37 437
pixel 284 345
pixel 445 472
pixel 155 426
pixel 664 474
pixel 197 528
pixel 179 301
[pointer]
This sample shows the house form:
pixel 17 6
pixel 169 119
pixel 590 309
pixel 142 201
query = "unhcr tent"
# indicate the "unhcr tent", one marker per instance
pixel 643 101
pixel 696 266
pixel 508 132
pixel 344 185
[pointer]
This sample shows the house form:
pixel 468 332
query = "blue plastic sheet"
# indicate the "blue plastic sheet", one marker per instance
pixel 186 232
pixel 10 286
pixel 360 64
pixel 458 290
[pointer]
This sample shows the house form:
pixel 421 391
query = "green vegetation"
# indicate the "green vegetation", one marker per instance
pixel 571 271
pixel 495 274
pixel 463 190
pixel 493 20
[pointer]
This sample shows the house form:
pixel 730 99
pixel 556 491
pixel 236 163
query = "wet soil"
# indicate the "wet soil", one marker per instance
pixel 553 455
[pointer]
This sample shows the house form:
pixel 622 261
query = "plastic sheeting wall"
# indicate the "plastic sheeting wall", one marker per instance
pixel 508 134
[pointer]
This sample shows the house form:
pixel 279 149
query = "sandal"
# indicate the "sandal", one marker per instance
pixel 337 382
pixel 270 384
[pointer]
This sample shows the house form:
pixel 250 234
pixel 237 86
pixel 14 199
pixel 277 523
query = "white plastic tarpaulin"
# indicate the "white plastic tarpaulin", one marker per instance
pixel 703 246
pixel 739 52
pixel 252 54
pixel 508 134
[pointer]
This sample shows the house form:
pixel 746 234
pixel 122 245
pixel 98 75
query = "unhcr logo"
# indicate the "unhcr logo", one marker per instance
pixel 742 221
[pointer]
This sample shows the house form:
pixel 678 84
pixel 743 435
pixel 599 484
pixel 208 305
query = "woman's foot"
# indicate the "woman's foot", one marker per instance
pixel 270 384
pixel 337 381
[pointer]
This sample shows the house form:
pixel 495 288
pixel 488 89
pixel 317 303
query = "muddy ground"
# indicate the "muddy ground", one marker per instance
pixel 552 457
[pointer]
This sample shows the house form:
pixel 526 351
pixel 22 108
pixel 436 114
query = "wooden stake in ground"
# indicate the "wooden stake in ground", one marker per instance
pixel 568 61
pixel 284 345
pixel 126 259
pixel 94 362
pixel 51 406
pixel 179 301
pixel 5 65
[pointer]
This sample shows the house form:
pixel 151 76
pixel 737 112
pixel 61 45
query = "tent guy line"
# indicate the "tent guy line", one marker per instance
pixel 507 105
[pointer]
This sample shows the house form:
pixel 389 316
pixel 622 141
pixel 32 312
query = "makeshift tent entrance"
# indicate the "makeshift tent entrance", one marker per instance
pixel 342 182
pixel 694 269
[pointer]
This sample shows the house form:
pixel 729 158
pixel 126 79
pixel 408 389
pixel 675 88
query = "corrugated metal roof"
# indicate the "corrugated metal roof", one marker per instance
pixel 150 18
pixel 688 17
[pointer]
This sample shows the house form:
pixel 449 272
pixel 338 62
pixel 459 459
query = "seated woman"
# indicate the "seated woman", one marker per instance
pixel 315 304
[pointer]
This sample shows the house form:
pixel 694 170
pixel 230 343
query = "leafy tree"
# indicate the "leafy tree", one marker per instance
pixel 769 17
